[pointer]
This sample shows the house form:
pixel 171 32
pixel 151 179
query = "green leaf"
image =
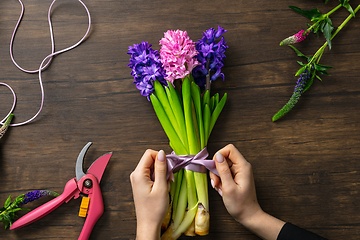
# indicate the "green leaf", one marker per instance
pixel 18 209
pixel 196 96
pixel 310 14
pixel 298 53
pixel 206 118
pixel 322 69
pixel 308 84
pixel 300 70
pixel 327 29
pixel 194 146
pixel 206 98
pixel 7 202
pixel 301 63
pixel 162 96
pixel 167 126
pixel 345 4
pixel 316 29
pixel 318 77
pixel 7 220
pixel 216 112
pixel 176 106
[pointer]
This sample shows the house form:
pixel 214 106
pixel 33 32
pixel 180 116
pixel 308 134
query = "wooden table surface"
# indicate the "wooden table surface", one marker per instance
pixel 306 166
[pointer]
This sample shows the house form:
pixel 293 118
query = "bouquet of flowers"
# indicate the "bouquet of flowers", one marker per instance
pixel 311 69
pixel 176 80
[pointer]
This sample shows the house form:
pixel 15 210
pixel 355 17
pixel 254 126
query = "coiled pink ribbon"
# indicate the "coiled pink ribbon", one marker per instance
pixel 45 63
pixel 195 163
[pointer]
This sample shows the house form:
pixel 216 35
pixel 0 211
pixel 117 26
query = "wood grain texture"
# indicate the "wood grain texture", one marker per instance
pixel 306 165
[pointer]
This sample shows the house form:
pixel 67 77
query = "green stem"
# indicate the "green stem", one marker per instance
pixel 176 105
pixel 179 210
pixel 317 56
pixel 325 16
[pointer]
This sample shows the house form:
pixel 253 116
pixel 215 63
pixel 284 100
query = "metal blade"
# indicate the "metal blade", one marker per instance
pixel 79 171
pixel 97 168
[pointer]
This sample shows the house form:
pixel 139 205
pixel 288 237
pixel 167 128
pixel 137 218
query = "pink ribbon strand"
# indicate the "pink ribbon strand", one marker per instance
pixel 45 62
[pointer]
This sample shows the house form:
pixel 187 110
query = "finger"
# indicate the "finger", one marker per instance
pixel 240 169
pixel 216 183
pixel 223 170
pixel 215 180
pixel 160 171
pixel 147 160
pixel 144 168
pixel 232 153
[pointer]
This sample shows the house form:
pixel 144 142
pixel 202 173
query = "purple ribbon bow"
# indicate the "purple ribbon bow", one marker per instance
pixel 195 163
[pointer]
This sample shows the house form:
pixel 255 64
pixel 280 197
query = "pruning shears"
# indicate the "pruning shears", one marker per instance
pixel 85 185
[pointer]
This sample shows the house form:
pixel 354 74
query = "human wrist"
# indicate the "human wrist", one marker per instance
pixel 263 225
pixel 146 231
pixel 251 217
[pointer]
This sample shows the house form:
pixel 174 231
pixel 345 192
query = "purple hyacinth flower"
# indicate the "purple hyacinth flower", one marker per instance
pixel 211 48
pixel 146 67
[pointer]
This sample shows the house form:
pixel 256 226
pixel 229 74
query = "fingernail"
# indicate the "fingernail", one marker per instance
pixel 161 156
pixel 219 157
pixel 172 177
pixel 212 183
pixel 219 191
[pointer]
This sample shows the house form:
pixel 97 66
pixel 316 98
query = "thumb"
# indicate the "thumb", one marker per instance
pixel 160 171
pixel 223 169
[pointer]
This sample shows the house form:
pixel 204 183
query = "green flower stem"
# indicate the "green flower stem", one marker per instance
pixel 173 189
pixel 201 188
pixel 178 181
pixel 325 16
pixel 190 180
pixel 189 217
pixel 179 210
pixel 187 196
pixel 317 56
pixel 192 204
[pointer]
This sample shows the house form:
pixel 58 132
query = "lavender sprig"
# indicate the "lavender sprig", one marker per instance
pixel 7 213
pixel 302 84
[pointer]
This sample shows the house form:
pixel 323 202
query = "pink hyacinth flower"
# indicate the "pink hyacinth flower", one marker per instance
pixel 177 54
pixel 296 38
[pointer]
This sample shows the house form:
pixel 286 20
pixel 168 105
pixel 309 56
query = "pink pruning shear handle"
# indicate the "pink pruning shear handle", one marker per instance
pixel 70 191
pixel 96 205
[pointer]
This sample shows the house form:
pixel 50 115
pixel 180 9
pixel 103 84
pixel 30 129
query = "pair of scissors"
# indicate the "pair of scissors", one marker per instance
pixel 84 184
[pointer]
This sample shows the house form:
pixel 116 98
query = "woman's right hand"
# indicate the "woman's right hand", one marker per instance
pixel 237 188
pixel 236 183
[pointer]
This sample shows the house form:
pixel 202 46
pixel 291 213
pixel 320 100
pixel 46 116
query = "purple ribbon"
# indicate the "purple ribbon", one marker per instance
pixel 195 163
